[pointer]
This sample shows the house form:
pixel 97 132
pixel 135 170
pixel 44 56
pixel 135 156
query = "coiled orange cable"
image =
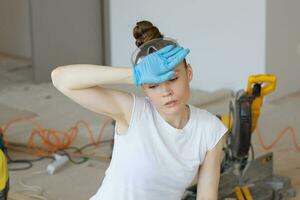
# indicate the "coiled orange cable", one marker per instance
pixel 52 140
pixel 277 138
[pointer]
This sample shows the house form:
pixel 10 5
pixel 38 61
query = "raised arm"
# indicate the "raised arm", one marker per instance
pixel 80 76
pixel 83 84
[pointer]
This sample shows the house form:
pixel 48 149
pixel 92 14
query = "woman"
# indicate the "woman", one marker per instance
pixel 161 142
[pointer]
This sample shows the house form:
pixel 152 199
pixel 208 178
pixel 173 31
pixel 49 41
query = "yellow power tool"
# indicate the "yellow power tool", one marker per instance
pixel 243 117
pixel 3 171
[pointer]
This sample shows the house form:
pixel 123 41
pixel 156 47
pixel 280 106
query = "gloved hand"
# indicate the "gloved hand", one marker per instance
pixel 157 67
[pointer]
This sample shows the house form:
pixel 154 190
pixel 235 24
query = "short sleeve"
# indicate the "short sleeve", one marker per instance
pixel 216 130
pixel 137 109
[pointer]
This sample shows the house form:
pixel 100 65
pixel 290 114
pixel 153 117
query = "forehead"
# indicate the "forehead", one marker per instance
pixel 180 67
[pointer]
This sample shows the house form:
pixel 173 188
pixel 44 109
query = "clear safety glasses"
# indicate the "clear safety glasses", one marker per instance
pixel 150 47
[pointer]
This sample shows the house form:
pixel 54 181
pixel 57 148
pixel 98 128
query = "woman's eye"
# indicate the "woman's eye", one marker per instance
pixel 152 86
pixel 174 79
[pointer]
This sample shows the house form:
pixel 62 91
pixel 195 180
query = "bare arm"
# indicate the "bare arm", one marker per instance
pixel 83 84
pixel 82 76
pixel 209 175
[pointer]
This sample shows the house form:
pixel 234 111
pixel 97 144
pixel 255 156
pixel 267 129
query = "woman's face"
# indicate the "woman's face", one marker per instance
pixel 171 97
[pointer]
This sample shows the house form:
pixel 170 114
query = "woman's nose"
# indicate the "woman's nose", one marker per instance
pixel 165 90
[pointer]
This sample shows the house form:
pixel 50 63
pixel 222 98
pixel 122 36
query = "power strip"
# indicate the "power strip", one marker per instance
pixel 60 160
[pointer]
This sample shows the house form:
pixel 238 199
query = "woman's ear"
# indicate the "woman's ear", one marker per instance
pixel 189 72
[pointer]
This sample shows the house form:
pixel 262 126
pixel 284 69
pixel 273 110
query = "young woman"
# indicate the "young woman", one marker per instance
pixel 161 142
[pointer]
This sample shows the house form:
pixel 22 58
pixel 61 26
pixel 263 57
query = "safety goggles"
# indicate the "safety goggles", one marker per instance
pixel 150 47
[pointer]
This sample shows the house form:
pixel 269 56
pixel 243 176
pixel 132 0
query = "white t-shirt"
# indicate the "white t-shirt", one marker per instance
pixel 154 160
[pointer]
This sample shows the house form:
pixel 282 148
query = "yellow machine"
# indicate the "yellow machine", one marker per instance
pixel 3 171
pixel 244 113
pixel 244 177
pixel 255 88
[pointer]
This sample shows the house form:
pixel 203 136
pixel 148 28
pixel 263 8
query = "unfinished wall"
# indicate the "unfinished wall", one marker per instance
pixel 14 28
pixel 283 45
pixel 65 32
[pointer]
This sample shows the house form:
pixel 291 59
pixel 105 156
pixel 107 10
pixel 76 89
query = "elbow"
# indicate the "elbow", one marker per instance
pixel 56 77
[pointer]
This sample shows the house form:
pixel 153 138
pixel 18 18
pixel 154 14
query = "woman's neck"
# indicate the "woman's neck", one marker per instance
pixel 180 120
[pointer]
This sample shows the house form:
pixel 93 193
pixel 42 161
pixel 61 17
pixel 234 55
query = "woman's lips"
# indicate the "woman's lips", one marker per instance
pixel 171 103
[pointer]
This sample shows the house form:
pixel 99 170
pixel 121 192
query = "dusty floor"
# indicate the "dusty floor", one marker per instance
pixel 20 97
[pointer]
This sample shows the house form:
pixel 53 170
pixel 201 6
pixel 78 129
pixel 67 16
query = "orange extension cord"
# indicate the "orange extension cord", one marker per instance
pixel 52 140
pixel 64 140
pixel 278 137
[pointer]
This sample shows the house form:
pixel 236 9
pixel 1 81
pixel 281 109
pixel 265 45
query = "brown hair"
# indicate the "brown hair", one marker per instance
pixel 145 31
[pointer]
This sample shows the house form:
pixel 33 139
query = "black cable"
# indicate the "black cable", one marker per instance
pixel 83 159
pixel 80 150
pixel 28 162
pixel 94 144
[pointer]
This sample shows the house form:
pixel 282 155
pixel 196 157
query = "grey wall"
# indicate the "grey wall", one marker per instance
pixel 14 28
pixel 65 32
pixel 226 38
pixel 283 45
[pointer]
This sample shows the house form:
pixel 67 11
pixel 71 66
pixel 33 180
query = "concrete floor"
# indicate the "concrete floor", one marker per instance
pixel 20 97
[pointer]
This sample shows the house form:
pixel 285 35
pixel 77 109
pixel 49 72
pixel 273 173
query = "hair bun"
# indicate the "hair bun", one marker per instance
pixel 144 31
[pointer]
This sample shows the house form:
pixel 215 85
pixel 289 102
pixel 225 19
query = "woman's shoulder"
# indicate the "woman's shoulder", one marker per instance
pixel 141 102
pixel 204 118
pixel 138 112
pixel 141 106
pixel 202 113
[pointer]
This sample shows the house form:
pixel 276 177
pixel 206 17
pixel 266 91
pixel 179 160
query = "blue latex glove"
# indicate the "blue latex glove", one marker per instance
pixel 157 67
